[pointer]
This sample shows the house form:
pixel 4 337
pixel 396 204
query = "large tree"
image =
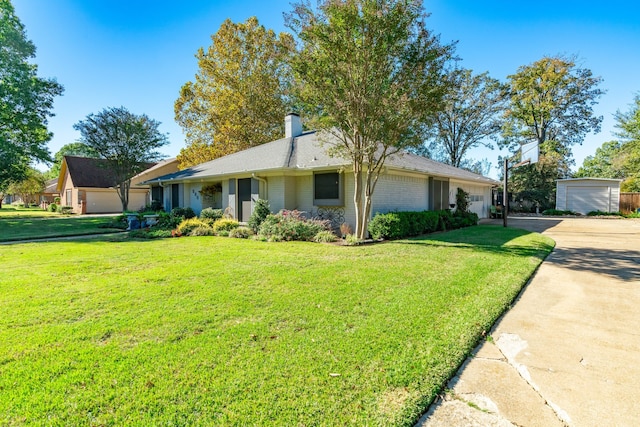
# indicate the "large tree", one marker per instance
pixel 72 149
pixel 26 101
pixel 239 96
pixel 126 140
pixel 629 133
pixel 551 103
pixel 603 164
pixel 471 116
pixel 376 75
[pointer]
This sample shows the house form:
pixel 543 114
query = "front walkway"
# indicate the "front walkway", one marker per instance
pixel 567 352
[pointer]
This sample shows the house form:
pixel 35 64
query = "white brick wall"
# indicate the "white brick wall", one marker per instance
pixel 402 193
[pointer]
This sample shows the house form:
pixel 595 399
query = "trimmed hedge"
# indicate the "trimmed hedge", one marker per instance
pixel 398 225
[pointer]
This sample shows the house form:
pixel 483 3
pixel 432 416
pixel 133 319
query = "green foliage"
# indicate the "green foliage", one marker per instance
pixel 211 213
pixel 188 225
pixel 127 141
pixel 261 210
pixel 629 157
pixel 239 93
pixel 352 240
pixel 290 225
pixel 603 164
pixel 470 118
pixel 52 207
pixel 225 225
pixel 65 210
pixel 186 213
pixel 152 233
pixel 551 103
pixel 601 213
pixel 462 201
pixel 397 225
pixel 26 101
pixel 241 232
pixel 324 236
pixel 32 184
pixel 368 65
pixel 556 212
pixel 168 221
pixel 202 231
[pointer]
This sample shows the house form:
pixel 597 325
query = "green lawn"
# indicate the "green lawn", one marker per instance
pixel 219 331
pixel 13 211
pixel 12 228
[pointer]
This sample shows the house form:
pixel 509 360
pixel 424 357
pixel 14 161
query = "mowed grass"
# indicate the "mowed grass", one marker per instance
pixel 12 229
pixel 14 211
pixel 219 331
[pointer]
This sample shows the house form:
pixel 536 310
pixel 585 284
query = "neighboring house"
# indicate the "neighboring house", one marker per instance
pixel 585 195
pixel 88 185
pixel 49 194
pixel 296 173
pixel 163 167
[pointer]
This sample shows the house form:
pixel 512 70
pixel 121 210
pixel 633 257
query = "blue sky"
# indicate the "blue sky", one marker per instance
pixel 138 53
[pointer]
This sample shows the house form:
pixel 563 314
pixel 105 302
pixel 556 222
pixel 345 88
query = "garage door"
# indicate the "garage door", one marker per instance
pixel 587 199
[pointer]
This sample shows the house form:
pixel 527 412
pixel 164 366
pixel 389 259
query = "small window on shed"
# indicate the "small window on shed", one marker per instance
pixel 327 189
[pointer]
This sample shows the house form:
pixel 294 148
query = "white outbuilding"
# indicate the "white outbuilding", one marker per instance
pixel 586 195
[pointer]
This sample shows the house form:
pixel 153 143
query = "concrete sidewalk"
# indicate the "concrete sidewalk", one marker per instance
pixel 567 353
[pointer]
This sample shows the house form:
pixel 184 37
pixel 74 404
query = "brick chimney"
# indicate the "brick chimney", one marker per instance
pixel 292 125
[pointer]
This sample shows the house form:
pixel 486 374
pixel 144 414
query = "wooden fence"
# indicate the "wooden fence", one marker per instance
pixel 629 202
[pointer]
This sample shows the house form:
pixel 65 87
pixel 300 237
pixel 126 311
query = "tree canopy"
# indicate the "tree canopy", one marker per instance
pixel 375 75
pixel 27 188
pixel 629 133
pixel 126 140
pixel 471 116
pixel 26 101
pixel 603 164
pixel 551 103
pixel 240 94
pixel 72 149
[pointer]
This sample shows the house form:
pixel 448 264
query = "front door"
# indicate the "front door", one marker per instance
pixel 175 196
pixel 244 199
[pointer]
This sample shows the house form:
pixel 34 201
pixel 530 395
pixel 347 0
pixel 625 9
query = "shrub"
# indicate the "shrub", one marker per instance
pixel 65 210
pixel 57 200
pixel 167 221
pixel 352 240
pixel 324 236
pixel 556 212
pixel 201 231
pixel 241 232
pixel 601 213
pixel 345 229
pixel 462 201
pixel 225 225
pixel 397 225
pixel 188 225
pixel 150 234
pixel 211 213
pixel 260 211
pixel 177 212
pixel 52 207
pixel 189 213
pixel 290 225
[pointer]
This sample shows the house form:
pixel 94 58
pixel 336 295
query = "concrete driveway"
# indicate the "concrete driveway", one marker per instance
pixel 568 352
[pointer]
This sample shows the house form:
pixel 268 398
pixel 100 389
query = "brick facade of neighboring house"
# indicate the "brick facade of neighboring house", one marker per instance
pixel 297 173
pixel 88 185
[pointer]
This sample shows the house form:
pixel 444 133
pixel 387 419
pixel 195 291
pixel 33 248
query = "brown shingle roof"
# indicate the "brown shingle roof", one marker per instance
pixel 93 173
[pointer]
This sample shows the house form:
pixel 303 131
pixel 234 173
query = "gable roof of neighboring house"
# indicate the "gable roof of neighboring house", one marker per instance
pixel 155 170
pixel 51 186
pixel 88 172
pixel 307 152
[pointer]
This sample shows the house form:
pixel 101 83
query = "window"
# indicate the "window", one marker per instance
pixel 156 194
pixel 476 198
pixel 67 198
pixel 327 189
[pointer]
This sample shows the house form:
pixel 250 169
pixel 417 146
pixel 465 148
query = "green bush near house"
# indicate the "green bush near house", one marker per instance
pixel 397 225
pixel 290 225
pixel 188 225
pixel 261 211
pixel 225 225
pixel 211 214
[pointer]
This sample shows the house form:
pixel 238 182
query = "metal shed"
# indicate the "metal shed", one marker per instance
pixel 585 195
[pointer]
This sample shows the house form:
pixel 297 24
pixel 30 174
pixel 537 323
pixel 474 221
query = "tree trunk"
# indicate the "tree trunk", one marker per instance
pixel 357 196
pixel 123 193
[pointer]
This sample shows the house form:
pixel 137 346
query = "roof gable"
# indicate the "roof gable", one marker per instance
pixel 90 172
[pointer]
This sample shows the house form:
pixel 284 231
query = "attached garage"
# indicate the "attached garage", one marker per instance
pixel 586 195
